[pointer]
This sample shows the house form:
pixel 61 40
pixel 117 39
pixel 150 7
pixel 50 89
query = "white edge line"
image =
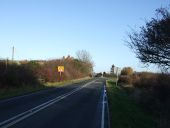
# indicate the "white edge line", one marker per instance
pixel 103 108
pixel 107 108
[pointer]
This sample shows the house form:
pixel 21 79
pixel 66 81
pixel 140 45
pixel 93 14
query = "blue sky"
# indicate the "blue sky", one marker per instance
pixel 48 29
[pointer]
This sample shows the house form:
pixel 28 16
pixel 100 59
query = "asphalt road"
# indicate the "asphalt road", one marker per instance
pixel 80 105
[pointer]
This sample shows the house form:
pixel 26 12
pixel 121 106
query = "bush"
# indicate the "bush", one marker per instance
pixel 162 87
pixel 156 84
pixel 125 79
pixel 145 80
pixel 98 75
pixel 74 69
pixel 29 72
pixel 16 75
pixel 127 71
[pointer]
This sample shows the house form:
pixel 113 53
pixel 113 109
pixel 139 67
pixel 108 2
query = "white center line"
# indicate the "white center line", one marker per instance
pixel 9 122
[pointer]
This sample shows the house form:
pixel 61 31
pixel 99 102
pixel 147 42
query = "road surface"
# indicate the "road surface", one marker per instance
pixel 80 105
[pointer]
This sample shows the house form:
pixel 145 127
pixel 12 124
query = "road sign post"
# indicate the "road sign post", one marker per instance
pixel 118 70
pixel 61 70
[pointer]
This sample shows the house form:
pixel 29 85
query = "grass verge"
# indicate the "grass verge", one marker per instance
pixel 22 90
pixel 125 112
pixel 17 91
pixel 63 83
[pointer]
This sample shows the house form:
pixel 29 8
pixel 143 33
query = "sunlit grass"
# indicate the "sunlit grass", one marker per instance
pixel 63 83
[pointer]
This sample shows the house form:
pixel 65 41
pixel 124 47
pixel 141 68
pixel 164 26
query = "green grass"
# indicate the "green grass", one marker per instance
pixel 21 90
pixel 125 112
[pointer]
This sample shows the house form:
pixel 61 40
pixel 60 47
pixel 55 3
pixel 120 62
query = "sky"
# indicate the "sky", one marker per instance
pixel 49 29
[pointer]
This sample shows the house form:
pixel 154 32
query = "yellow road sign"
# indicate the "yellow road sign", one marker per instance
pixel 60 68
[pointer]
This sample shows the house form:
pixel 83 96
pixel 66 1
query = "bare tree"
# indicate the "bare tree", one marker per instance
pixel 152 43
pixel 85 57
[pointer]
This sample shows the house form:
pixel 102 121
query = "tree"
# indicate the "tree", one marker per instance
pixel 152 44
pixel 104 74
pixel 127 71
pixel 85 57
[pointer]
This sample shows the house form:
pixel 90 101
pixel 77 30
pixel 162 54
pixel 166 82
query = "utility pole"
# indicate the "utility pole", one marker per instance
pixel 13 54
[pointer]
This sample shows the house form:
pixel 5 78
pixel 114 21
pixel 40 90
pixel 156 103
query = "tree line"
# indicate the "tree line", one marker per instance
pixel 35 72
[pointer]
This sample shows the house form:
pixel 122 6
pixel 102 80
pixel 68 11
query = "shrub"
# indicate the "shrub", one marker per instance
pixel 29 72
pixel 157 84
pixel 74 69
pixel 162 87
pixel 145 80
pixel 127 71
pixel 125 79
pixel 17 75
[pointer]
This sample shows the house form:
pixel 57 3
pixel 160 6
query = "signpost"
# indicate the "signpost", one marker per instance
pixel 60 70
pixel 118 71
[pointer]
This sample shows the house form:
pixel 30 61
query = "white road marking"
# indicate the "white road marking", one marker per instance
pixel 9 122
pixel 103 108
pixel 98 82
